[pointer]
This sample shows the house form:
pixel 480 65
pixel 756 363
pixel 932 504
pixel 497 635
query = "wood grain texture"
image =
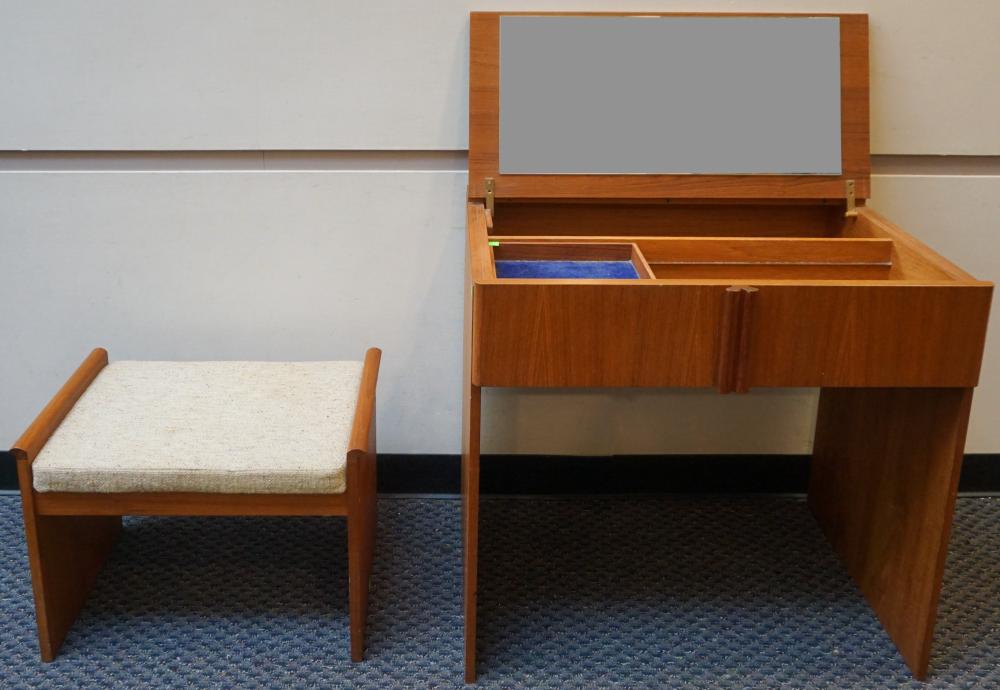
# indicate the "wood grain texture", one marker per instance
pixel 610 333
pixel 868 335
pixel 364 409
pixel 734 340
pixel 554 251
pixel 911 252
pixel 471 405
pixel 471 409
pixel 709 217
pixel 362 505
pixel 33 439
pixel 484 136
pixel 732 250
pixel 362 512
pixel 479 257
pixel 743 273
pixel 882 485
pixel 642 267
pixel 65 555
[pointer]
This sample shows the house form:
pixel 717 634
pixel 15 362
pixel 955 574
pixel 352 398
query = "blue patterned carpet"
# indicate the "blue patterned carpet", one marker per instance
pixel 575 592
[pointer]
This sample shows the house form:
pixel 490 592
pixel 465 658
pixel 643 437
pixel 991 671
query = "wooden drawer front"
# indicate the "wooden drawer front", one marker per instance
pixel 869 336
pixel 596 335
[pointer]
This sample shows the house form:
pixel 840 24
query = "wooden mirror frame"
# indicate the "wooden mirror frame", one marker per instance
pixel 484 132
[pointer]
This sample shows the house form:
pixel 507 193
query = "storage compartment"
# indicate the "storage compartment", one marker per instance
pixel 861 304
pixel 557 260
pixel 863 247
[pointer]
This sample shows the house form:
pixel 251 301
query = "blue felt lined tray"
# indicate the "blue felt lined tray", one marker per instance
pixel 522 268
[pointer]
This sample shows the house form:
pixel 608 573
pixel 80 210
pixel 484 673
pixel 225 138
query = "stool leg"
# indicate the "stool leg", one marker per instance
pixel 65 554
pixel 70 552
pixel 361 521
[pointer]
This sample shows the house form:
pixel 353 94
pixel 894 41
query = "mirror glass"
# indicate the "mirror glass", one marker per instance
pixel 669 95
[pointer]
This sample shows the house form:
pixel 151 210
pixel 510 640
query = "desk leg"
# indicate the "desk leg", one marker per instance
pixel 470 520
pixel 882 485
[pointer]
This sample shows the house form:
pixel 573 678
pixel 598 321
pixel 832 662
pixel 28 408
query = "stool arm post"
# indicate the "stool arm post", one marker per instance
pixel 48 420
pixel 364 411
pixel 65 553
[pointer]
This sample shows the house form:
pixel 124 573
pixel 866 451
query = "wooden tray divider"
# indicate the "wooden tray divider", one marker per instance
pixel 729 250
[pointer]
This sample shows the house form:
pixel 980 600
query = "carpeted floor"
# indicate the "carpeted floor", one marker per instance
pixel 575 592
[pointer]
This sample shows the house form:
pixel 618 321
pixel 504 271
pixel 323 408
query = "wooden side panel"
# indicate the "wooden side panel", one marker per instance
pixel 659 218
pixel 478 265
pixel 362 518
pixel 882 485
pixel 868 336
pixel 65 554
pixel 361 503
pixel 911 251
pixel 70 554
pixel 484 138
pixel 479 257
pixel 598 335
pixel 471 407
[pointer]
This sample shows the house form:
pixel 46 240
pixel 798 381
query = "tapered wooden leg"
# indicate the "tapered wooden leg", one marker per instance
pixel 882 485
pixel 362 517
pixel 470 521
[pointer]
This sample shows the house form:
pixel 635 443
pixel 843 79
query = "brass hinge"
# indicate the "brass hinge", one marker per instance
pixel 490 194
pixel 852 209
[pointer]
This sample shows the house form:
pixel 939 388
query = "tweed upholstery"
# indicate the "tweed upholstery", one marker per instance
pixel 213 427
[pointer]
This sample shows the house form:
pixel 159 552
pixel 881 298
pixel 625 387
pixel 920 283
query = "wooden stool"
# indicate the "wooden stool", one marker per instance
pixel 193 438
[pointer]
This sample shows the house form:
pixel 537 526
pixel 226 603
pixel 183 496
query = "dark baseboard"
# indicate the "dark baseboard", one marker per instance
pixel 623 474
pixel 8 471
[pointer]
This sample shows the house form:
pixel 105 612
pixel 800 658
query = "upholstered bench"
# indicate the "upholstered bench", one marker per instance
pixel 193 438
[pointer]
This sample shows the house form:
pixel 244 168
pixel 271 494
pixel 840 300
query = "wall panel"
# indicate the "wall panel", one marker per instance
pixel 237 266
pixel 392 74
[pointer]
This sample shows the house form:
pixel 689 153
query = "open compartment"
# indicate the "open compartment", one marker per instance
pixel 711 242
pixel 560 260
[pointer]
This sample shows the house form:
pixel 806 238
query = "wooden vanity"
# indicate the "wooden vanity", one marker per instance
pixel 732 281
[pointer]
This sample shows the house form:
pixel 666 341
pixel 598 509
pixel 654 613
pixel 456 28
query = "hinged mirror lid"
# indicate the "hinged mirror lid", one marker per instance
pixel 668 106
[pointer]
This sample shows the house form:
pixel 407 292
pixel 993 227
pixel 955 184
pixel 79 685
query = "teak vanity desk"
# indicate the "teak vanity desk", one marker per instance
pixel 731 275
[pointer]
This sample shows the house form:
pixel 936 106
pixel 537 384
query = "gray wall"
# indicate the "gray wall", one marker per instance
pixel 210 239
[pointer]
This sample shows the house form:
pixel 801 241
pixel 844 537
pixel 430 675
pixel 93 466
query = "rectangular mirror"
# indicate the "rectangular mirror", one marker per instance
pixel 670 95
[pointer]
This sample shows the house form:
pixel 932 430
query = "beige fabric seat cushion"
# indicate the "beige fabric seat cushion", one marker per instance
pixel 216 427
